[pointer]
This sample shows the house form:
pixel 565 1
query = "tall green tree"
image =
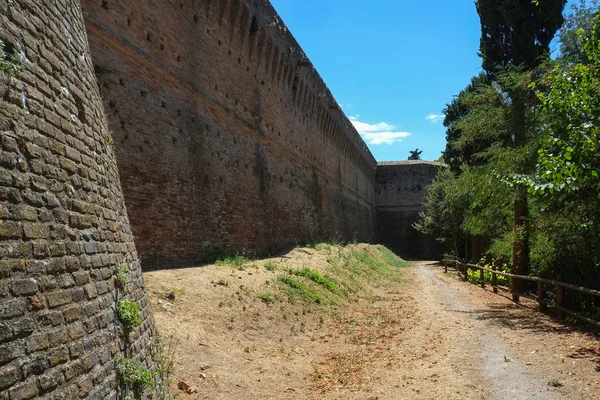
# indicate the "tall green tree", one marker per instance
pixel 456 153
pixel 580 19
pixel 516 34
pixel 567 176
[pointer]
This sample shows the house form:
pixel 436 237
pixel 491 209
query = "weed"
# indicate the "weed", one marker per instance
pixel 134 376
pixel 266 297
pixel 247 349
pixel 474 276
pixel 270 266
pixel 173 293
pixel 300 288
pixel 122 275
pixel 163 359
pixel 8 62
pixel 336 241
pixel 316 277
pixel 234 261
pixel 129 315
pixel 223 282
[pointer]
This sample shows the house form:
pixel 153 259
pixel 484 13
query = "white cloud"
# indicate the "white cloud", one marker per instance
pixel 434 118
pixel 379 133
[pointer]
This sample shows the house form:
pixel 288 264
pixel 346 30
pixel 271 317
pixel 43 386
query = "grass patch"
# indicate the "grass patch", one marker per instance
pixel 391 258
pixel 367 259
pixel 316 277
pixel 268 298
pixel 238 261
pixel 270 266
pixel 297 288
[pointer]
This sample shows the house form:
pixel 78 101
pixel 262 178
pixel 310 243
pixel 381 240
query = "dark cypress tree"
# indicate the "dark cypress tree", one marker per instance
pixel 516 34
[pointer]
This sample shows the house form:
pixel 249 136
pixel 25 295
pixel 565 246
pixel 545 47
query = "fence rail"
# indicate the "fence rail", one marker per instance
pixel 558 305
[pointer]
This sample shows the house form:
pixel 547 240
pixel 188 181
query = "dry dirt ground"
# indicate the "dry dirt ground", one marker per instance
pixel 427 335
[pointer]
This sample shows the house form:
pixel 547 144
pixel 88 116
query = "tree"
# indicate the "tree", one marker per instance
pixel 415 154
pixel 443 211
pixel 515 35
pixel 567 176
pixel 581 17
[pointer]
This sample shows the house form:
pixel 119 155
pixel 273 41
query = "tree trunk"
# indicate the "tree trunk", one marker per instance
pixel 520 227
pixel 476 248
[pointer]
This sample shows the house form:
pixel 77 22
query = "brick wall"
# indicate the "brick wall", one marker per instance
pixel 63 224
pixel 227 139
pixel 400 188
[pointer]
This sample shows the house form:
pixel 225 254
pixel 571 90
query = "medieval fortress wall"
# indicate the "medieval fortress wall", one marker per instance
pixel 227 139
pixel 63 222
pixel 400 188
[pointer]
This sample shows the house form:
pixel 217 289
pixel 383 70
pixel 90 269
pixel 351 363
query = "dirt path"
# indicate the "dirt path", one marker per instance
pixel 430 336
pixel 489 348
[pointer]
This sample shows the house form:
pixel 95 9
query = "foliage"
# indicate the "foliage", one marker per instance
pixel 566 181
pixel 443 210
pixel 8 62
pixel 581 18
pixel 517 32
pixel 474 276
pixel 122 274
pixel 134 376
pixel 163 357
pixel 569 162
pixel 415 154
pixel 237 260
pixel 129 315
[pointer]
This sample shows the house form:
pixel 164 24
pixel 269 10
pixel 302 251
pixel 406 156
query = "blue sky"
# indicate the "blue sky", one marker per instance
pixel 392 65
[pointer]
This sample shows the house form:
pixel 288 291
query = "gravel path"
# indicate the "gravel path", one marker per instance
pixel 489 360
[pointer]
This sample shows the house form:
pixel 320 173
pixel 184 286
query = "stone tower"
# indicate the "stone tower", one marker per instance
pixel 63 223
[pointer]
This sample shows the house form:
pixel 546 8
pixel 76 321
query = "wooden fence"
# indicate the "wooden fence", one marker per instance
pixel 543 303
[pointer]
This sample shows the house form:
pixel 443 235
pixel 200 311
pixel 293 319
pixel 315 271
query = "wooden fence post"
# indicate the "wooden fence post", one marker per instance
pixel 465 272
pixel 482 277
pixel 513 289
pixel 445 262
pixel 560 301
pixel 494 279
pixel 540 296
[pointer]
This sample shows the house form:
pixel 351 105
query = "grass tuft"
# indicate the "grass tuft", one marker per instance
pixel 391 258
pixel 316 277
pixel 266 297
pixel 297 288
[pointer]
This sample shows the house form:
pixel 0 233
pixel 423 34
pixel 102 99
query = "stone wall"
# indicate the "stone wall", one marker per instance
pixel 400 188
pixel 227 139
pixel 63 223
